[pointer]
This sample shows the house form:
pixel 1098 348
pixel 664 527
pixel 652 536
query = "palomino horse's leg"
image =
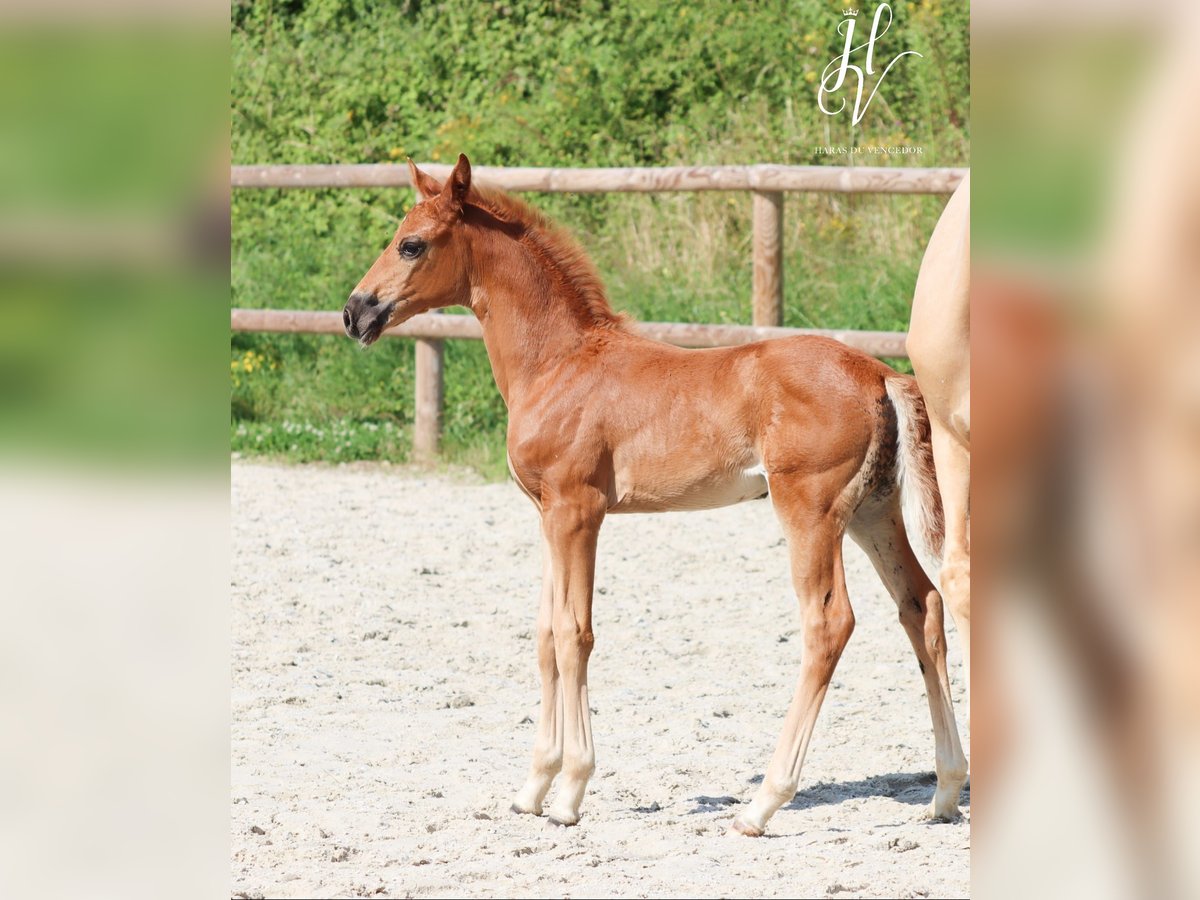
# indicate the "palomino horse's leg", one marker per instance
pixel 548 745
pixel 953 462
pixel 828 620
pixel 572 526
pixel 880 532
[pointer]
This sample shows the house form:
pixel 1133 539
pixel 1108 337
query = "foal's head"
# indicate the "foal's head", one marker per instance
pixel 425 265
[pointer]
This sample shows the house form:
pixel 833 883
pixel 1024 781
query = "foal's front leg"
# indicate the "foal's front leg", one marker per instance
pixel 571 526
pixel 548 745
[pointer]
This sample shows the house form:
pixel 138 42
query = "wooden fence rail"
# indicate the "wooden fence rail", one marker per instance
pixel 431 326
pixel 766 183
pixel 832 179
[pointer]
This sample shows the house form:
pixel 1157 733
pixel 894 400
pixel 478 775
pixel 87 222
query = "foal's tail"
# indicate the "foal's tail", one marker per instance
pixel 920 502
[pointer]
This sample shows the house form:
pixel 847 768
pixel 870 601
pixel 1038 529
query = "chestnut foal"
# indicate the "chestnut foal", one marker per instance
pixel 604 421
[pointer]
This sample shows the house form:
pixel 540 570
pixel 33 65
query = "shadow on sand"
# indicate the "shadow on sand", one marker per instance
pixel 913 788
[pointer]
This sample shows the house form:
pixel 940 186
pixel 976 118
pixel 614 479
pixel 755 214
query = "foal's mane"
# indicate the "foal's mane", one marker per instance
pixel 560 255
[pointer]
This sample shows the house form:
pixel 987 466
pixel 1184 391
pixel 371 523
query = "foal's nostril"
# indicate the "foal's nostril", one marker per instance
pixel 360 315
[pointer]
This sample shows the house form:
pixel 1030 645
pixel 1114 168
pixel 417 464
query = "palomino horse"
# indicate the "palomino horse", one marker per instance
pixel 939 345
pixel 603 421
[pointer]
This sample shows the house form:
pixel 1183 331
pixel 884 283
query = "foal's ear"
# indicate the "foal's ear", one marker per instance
pixel 458 185
pixel 426 186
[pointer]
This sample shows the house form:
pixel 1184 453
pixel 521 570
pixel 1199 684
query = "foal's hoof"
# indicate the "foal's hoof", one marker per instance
pixel 525 812
pixel 562 821
pixel 741 826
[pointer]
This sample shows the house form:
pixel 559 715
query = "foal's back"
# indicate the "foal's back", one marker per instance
pixel 669 428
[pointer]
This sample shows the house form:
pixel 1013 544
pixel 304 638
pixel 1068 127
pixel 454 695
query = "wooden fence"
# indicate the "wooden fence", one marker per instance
pixel 766 183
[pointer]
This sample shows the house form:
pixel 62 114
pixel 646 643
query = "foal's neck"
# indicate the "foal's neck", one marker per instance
pixel 531 312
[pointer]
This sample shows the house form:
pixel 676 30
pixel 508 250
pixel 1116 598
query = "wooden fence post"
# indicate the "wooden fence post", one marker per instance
pixel 429 392
pixel 768 258
pixel 428 395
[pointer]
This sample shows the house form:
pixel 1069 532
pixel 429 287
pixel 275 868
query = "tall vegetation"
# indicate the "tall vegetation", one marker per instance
pixel 539 82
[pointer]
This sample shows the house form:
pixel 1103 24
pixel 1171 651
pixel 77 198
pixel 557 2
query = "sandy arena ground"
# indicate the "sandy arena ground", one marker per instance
pixel 385 687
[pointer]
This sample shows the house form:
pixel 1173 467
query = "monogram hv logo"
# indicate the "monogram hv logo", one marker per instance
pixel 843 78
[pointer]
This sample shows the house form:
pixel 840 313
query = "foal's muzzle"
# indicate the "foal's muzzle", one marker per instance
pixel 365 317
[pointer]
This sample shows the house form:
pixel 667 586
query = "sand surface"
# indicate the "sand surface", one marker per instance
pixel 385 687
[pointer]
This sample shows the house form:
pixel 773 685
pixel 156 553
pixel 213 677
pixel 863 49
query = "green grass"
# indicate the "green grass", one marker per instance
pixel 336 440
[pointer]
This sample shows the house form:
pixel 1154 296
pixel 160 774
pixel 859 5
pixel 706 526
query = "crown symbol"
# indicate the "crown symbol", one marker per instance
pixel 852 13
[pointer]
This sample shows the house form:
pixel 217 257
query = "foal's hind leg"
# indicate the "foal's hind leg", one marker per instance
pixel 953 461
pixel 879 530
pixel 815 544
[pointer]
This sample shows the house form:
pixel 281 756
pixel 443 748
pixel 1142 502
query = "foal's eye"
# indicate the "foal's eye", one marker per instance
pixel 411 248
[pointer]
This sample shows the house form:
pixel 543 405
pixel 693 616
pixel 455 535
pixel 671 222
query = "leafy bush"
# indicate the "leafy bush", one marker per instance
pixel 592 83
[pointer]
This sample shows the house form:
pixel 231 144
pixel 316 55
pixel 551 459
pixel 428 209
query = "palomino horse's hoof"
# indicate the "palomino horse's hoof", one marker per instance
pixel 741 826
pixel 560 823
pixel 934 816
pixel 525 812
